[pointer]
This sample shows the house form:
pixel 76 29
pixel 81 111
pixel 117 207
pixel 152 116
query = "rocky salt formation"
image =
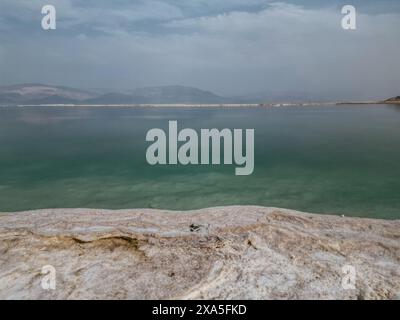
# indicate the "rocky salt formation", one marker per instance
pixel 219 253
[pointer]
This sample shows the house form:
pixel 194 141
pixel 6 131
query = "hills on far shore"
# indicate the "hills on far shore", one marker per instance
pixel 393 100
pixel 42 94
pixel 37 94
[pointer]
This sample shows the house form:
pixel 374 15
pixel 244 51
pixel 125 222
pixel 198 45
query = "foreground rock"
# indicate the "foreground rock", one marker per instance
pixel 219 253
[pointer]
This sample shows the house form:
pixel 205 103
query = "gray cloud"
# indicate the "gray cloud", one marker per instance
pixel 231 47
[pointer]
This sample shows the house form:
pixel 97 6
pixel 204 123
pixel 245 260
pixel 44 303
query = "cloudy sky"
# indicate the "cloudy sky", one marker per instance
pixel 231 47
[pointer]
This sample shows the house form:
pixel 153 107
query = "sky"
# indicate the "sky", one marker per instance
pixel 231 47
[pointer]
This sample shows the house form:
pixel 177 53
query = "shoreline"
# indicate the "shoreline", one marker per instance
pixel 211 105
pixel 238 252
pixel 78 210
pixel 208 105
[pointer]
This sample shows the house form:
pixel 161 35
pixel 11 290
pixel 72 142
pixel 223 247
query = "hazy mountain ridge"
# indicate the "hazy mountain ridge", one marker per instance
pixel 394 99
pixel 38 94
pixel 47 94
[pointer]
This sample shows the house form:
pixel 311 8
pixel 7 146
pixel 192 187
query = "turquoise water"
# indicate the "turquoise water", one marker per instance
pixel 339 159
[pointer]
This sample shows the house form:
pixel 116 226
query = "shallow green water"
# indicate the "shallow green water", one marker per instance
pixel 342 159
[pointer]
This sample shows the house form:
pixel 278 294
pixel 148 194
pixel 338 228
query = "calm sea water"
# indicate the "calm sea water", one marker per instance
pixel 340 160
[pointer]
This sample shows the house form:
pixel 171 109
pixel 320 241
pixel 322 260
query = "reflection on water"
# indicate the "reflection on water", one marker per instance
pixel 338 159
pixel 396 107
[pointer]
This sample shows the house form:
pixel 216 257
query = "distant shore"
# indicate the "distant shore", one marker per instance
pixel 370 102
pixel 175 96
pixel 213 105
pixel 240 252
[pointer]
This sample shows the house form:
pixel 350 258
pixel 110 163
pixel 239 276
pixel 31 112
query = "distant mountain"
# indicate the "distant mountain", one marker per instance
pixel 53 99
pixel 177 94
pixel 35 94
pixel 393 100
pixel 114 98
pixel 158 95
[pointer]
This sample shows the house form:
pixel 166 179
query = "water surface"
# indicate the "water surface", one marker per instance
pixel 339 159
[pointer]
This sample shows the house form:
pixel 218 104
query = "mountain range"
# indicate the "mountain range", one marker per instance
pixel 42 94
pixel 36 94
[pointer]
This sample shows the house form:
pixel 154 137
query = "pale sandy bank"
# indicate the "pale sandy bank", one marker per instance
pixel 217 253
